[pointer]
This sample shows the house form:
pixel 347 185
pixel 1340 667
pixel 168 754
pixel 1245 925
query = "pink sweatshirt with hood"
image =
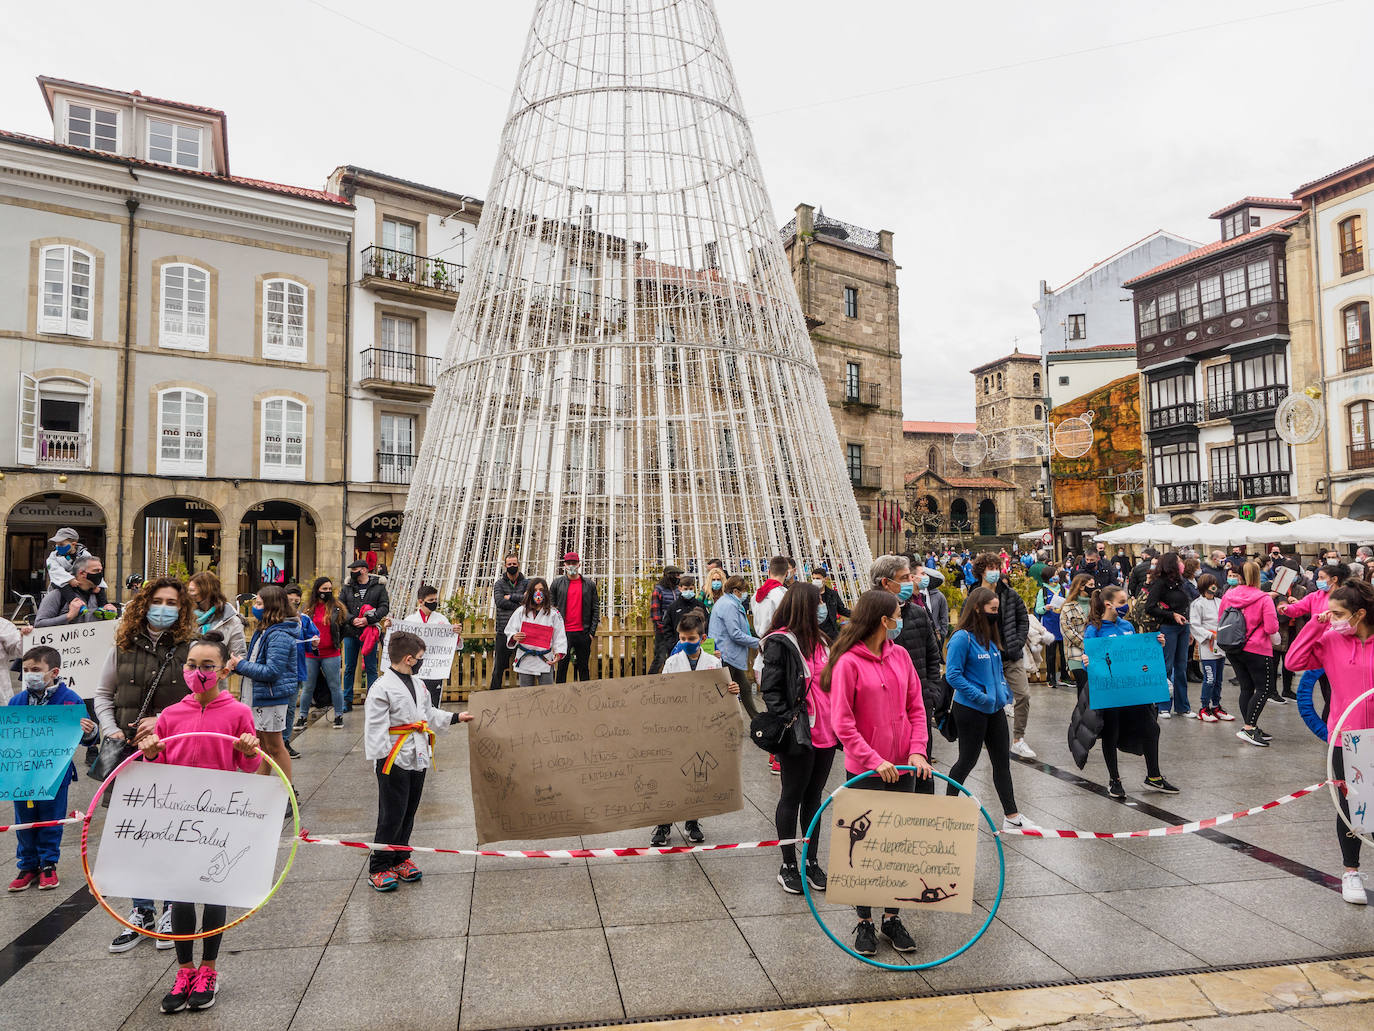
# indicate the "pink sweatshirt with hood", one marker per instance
pixel 1314 603
pixel 876 707
pixel 1261 619
pixel 1349 665
pixel 224 715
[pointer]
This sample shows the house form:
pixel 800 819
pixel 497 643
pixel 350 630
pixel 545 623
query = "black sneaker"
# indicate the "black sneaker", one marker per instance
pixel 865 938
pixel 127 938
pixel 694 832
pixel 660 837
pixel 1160 784
pixel 1253 737
pixel 175 1001
pixel 291 751
pixel 895 932
pixel 1115 789
pixel 300 724
pixel 790 878
pixel 1278 699
pixel 204 987
pixel 1264 734
pixel 816 876
pixel 338 723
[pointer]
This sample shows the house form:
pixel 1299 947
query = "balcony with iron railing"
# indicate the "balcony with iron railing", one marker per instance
pixel 1220 406
pixel 1266 485
pixel 864 395
pixel 60 449
pixel 1178 494
pixel 1223 489
pixel 414 275
pixel 1360 456
pixel 868 477
pixel 400 374
pixel 1352 261
pixel 1260 399
pixel 1183 414
pixel 1358 354
pixel 394 467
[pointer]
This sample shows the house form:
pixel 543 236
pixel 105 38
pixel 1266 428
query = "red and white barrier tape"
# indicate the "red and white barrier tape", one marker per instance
pixel 1163 832
pixel 566 853
pixel 76 817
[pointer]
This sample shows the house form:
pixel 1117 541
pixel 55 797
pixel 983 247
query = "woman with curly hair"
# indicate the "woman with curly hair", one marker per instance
pixel 141 677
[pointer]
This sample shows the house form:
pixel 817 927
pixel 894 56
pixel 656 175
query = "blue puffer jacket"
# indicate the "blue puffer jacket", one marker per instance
pixel 274 670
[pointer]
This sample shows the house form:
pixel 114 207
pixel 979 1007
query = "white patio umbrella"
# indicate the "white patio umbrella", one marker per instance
pixel 1133 534
pixel 1316 529
pixel 1233 531
pixel 1033 535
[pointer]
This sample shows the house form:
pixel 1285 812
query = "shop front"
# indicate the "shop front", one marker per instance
pixel 376 539
pixel 276 546
pixel 30 524
pixel 177 537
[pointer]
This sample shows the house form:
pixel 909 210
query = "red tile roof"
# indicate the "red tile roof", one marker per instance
pixel 1307 189
pixel 1258 202
pixel 304 193
pixel 1015 356
pixel 46 80
pixel 1215 248
pixel 939 427
pixel 1092 350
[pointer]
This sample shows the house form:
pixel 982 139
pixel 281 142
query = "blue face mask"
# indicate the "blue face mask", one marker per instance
pixel 1232 581
pixel 1323 585
pixel 992 575
pixel 925 582
pixel 907 590
pixel 64 549
pixel 160 617
pixel 257 611
pixel 895 631
pixel 686 647
pixel 821 612
pixel 1122 610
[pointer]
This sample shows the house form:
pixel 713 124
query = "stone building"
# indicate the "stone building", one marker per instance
pixel 175 340
pixel 947 504
pixel 846 279
pixel 1104 487
pixel 1010 412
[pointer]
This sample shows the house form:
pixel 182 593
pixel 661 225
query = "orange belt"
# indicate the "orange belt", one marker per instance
pixel 401 733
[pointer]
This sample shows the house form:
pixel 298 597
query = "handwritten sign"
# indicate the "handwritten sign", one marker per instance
pixel 84 648
pixel 179 832
pixel 604 755
pixel 37 743
pixel 441 643
pixel 899 849
pixel 1357 749
pixel 1125 670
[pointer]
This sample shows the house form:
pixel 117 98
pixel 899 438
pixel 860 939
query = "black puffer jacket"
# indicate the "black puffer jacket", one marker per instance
pixel 784 684
pixel 1165 599
pixel 1135 724
pixel 1015 622
pixel 919 640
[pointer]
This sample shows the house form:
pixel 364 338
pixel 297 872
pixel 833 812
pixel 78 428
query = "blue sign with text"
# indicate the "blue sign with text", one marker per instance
pixel 37 743
pixel 1125 670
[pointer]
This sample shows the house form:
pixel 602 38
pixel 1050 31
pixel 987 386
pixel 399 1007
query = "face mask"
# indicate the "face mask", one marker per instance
pixel 1054 579
pixel 257 611
pixel 1232 581
pixel 201 680
pixel 1333 562
pixel 326 595
pixel 36 683
pixel 895 631
pixel 1122 610
pixel 359 575
pixel 64 549
pixel 716 585
pixel 818 584
pixel 906 591
pixel 1341 626
pixel 687 647
pixel 539 597
pixel 570 570
pixel 160 617
pixel 821 612
pixel 925 582
pixel 431 605
pixel 512 570
pixel 992 576
pixel 1323 585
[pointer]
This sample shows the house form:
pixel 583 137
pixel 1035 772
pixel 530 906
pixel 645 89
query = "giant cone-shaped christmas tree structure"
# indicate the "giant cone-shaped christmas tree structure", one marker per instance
pixel 629 375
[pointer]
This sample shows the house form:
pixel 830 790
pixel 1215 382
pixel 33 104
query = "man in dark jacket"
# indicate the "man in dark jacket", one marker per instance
pixel 1015 627
pixel 892 573
pixel 363 589
pixel 79 600
pixel 508 594
pixel 660 601
pixel 1136 585
pixel 834 604
pixel 1103 571
pixel 575 597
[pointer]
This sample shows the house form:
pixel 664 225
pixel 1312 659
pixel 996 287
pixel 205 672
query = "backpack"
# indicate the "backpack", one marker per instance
pixel 942 713
pixel 1232 632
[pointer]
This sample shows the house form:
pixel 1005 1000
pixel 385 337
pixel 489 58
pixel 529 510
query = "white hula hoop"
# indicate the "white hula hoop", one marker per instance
pixel 1331 741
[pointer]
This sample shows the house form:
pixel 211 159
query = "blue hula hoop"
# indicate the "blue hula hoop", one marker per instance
pixel 1001 877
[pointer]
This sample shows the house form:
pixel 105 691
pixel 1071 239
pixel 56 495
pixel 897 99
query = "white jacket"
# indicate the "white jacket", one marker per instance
pixel 763 612
pixel 678 663
pixel 11 642
pixel 528 662
pixel 427 617
pixel 1037 637
pixel 1202 626
pixel 389 704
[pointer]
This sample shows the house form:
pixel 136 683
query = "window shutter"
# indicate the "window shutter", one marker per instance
pixel 81 275
pixel 52 315
pixel 87 426
pixel 27 439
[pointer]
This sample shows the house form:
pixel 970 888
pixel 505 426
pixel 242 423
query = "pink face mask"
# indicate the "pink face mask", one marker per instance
pixel 1340 626
pixel 201 680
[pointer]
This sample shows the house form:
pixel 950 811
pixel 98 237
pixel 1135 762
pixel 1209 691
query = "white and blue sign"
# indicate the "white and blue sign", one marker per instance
pixel 37 743
pixel 1125 670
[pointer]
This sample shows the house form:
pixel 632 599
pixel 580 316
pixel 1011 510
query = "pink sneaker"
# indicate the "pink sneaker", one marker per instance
pixel 407 871
pixel 175 1000
pixel 25 879
pixel 774 766
pixel 204 985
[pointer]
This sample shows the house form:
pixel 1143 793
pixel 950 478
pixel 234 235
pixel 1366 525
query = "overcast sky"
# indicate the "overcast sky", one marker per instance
pixel 1018 165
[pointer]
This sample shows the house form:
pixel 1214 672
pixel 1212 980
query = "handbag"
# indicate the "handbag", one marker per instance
pixel 770 730
pixel 113 752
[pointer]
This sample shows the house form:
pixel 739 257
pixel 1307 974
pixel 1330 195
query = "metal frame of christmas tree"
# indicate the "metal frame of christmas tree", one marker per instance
pixel 629 374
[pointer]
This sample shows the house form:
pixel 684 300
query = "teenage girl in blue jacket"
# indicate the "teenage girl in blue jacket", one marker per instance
pixel 272 667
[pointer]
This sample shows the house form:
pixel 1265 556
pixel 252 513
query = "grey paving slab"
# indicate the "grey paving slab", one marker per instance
pixel 1026 878
pixel 384 984
pixel 435 907
pixel 1200 860
pixel 703 959
pixel 652 893
pixel 81 994
pixel 261 988
pixel 747 884
pixel 302 913
pixel 1096 865
pixel 1000 957
pixel 512 900
pixel 519 980
pixel 1307 909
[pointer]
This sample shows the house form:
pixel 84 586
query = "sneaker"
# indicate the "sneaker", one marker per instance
pixel 47 878
pixel 1019 747
pixel 895 932
pixel 203 988
pixel 865 939
pixel 1160 784
pixel 128 938
pixel 1165 714
pixel 1114 788
pixel 1068 683
pixel 1022 822
pixel 24 880
pixel 1264 734
pixel 164 926
pixel 1222 714
pixel 1208 716
pixel 291 751
pixel 694 832
pixel 816 876
pixel 175 1001
pixel 300 724
pixel 407 871
pixel 1189 715
pixel 338 723
pixel 383 880
pixel 1252 737
pixel 790 878
pixel 1352 888
pixel 774 767
pixel 1278 699
pixel 660 837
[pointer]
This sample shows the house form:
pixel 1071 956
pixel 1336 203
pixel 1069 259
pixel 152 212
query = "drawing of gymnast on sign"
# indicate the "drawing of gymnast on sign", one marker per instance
pixel 858 830
pixel 929 894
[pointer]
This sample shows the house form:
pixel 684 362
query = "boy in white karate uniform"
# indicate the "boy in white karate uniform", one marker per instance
pixel 398 732
pixel 687 655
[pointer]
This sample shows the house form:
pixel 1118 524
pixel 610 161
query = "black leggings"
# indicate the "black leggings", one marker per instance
pixel 977 730
pixel 184 922
pixel 803 782
pixel 1111 729
pixel 875 783
pixel 1056 664
pixel 1253 671
pixel 1350 844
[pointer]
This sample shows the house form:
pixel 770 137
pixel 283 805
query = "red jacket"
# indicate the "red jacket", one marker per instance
pixel 876 707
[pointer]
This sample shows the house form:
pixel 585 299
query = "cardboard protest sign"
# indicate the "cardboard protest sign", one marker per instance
pixel 898 849
pixel 441 644
pixel 37 743
pixel 193 835
pixel 84 648
pixel 1357 748
pixel 1125 670
pixel 604 755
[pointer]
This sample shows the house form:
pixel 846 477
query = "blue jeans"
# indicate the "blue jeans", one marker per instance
pixel 329 669
pixel 291 712
pixel 1176 641
pixel 40 847
pixel 351 647
pixel 1211 682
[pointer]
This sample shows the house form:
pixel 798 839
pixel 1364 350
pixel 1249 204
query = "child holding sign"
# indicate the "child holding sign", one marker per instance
pixel 39 849
pixel 686 657
pixel 1138 724
pixel 398 733
pixel 535 633
pixel 206 708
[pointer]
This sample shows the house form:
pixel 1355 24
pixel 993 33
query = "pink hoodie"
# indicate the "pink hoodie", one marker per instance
pixel 1313 603
pixel 876 707
pixel 224 715
pixel 1261 619
pixel 1349 665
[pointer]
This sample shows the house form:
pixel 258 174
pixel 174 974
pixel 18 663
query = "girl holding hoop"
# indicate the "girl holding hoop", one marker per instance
pixel 206 708
pixel 1341 641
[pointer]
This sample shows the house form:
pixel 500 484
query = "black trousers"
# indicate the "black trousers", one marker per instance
pixel 979 730
pixel 663 647
pixel 875 783
pixel 1111 730
pixel 1056 664
pixel 1254 673
pixel 436 690
pixel 504 654
pixel 1350 845
pixel 803 782
pixel 398 797
pixel 184 922
pixel 579 655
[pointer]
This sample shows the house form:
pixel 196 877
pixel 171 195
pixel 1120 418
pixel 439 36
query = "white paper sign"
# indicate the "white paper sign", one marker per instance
pixel 441 642
pixel 84 648
pixel 190 835
pixel 1357 747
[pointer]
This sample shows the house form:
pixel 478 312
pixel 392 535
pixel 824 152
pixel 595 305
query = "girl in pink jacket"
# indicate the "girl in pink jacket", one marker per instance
pixel 1341 641
pixel 1254 661
pixel 879 717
